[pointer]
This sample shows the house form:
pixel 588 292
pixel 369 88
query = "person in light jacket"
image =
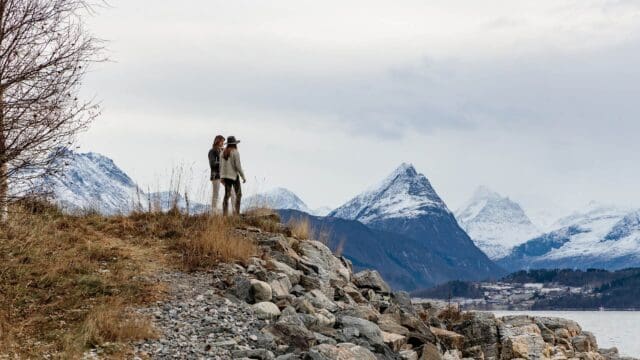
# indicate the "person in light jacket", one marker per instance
pixel 231 173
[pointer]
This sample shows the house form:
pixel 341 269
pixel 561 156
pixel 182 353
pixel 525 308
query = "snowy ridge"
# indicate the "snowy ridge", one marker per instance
pixel 602 236
pixel 495 223
pixel 92 181
pixel 402 194
pixel 278 198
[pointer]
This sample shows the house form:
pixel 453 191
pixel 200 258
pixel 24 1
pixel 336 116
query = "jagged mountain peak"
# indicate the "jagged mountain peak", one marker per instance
pixel 483 192
pixel 495 223
pixel 403 193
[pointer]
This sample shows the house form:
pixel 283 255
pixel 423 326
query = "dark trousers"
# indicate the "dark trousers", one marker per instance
pixel 231 185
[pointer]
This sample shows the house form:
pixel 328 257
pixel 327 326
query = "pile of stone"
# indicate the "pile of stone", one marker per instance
pixel 296 300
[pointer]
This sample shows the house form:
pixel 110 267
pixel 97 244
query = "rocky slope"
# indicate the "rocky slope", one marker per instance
pixel 299 301
pixel 603 237
pixel 495 223
pixel 405 203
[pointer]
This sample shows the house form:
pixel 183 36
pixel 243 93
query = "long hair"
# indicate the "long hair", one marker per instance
pixel 218 141
pixel 228 149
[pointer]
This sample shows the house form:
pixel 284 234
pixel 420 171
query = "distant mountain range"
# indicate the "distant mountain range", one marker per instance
pixel 598 236
pixel 605 237
pixel 412 236
pixel 495 223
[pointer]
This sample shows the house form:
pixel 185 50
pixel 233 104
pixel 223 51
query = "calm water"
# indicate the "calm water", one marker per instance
pixel 612 328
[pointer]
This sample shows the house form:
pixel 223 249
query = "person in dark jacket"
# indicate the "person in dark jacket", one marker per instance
pixel 214 164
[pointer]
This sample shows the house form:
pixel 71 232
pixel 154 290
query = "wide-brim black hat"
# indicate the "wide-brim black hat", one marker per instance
pixel 231 140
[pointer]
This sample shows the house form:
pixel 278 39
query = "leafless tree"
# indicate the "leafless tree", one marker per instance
pixel 44 53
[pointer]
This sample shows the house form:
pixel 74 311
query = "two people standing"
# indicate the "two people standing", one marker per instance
pixel 226 169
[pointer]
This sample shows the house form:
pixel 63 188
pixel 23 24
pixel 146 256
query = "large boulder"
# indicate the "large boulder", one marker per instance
pixel 319 300
pixel 371 279
pixel 391 323
pixel 450 339
pixel 480 329
pixel 266 310
pixel 292 274
pixel 318 257
pixel 395 341
pixel 295 336
pixel 585 342
pixel 559 325
pixel 521 338
pixel 280 286
pixel 260 291
pixel 357 327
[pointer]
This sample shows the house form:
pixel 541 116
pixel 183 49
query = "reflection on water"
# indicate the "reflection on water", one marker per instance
pixel 611 328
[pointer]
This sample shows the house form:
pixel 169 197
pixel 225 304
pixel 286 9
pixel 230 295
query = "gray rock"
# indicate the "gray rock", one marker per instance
pixel 266 310
pixel 371 279
pixel 295 336
pixel 320 257
pixel 260 291
pixel 402 300
pixel 281 286
pixel 520 337
pixel 585 342
pixel 480 329
pixel 319 300
pixel 366 329
pixel 291 273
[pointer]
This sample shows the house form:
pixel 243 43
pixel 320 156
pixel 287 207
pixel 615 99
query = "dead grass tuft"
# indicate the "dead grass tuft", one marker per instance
pixel 300 227
pixel 264 218
pixel 111 322
pixel 217 242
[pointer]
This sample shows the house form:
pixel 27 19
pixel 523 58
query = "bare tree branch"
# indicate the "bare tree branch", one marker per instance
pixel 44 54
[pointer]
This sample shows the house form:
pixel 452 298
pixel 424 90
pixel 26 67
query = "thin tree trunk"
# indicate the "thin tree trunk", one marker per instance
pixel 4 184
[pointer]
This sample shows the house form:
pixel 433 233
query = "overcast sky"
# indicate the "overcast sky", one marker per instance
pixel 538 100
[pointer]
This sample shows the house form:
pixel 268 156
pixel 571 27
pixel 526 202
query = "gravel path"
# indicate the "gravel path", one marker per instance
pixel 199 323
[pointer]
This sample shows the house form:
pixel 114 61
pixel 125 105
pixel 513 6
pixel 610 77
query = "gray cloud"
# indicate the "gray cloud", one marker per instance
pixel 500 94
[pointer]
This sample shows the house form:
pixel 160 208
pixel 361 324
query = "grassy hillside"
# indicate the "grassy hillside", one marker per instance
pixel 69 282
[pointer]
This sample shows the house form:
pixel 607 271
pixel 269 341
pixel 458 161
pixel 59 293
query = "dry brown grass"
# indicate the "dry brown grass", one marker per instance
pixel 300 227
pixel 264 218
pixel 113 322
pixel 217 242
pixel 64 279
pixel 55 270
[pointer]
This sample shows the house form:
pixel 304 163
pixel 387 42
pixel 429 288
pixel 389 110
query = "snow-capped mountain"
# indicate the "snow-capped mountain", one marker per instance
pixel 406 203
pixel 495 223
pixel 92 181
pixel 601 236
pixel 278 198
pixel 402 194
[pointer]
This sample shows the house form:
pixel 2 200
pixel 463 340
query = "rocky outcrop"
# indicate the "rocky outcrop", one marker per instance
pixel 308 304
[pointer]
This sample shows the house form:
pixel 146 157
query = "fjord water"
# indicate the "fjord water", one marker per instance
pixel 611 328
